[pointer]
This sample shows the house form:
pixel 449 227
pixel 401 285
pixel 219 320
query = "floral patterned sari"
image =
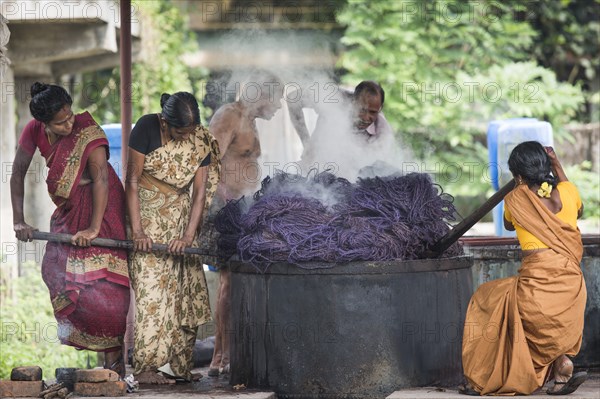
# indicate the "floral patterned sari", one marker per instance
pixel 89 287
pixel 170 291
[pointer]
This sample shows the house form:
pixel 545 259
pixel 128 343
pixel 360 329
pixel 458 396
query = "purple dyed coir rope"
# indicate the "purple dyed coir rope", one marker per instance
pixel 323 218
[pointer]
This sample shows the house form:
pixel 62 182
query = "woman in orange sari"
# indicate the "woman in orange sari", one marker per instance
pixel 520 330
pixel 89 286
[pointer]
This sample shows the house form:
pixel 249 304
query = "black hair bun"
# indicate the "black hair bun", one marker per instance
pixel 163 99
pixel 37 88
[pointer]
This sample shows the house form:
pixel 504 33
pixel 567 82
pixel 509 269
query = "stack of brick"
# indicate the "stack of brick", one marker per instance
pixel 24 382
pixel 66 377
pixel 99 382
pixel 55 391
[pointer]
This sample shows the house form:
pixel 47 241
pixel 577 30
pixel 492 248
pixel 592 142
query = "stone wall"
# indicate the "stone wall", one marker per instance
pixel 7 148
pixel 584 147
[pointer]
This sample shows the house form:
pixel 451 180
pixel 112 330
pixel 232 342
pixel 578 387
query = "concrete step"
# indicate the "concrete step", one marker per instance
pixel 588 390
pixel 229 395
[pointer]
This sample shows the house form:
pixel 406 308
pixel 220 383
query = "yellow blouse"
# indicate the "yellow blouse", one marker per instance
pixel 571 203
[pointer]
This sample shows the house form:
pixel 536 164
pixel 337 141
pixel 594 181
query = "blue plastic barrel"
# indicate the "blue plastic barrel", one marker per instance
pixel 492 143
pixel 113 132
pixel 502 137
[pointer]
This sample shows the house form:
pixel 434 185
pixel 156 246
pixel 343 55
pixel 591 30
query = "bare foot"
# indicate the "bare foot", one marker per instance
pixel 196 376
pixel 152 377
pixel 174 379
pixel 216 360
pixel 215 365
pixel 466 389
pixel 114 361
pixel 563 370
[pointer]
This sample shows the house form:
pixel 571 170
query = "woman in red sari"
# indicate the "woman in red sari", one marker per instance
pixel 89 286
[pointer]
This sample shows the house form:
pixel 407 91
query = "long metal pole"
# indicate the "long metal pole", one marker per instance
pixel 125 48
pixel 453 235
pixel 108 242
pixel 125 54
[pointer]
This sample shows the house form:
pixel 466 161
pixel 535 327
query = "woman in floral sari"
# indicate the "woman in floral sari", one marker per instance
pixel 89 286
pixel 520 330
pixel 168 153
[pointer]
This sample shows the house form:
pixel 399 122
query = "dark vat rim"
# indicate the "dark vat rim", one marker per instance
pixel 360 267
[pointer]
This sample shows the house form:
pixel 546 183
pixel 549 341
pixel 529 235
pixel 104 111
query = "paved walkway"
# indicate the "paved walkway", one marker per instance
pixel 219 388
pixel 589 390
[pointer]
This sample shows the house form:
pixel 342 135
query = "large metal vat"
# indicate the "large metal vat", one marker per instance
pixel 589 355
pixel 362 329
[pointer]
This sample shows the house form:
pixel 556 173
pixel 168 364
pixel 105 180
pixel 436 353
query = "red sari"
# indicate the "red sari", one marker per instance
pixel 89 287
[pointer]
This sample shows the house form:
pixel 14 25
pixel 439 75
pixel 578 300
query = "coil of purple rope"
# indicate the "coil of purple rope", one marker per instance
pixel 326 219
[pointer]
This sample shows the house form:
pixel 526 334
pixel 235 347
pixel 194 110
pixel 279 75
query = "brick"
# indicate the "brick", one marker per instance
pixel 66 376
pixel 109 388
pixel 20 389
pixel 28 373
pixel 95 375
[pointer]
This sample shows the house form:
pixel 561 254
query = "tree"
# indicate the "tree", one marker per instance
pixel 165 39
pixel 568 43
pixel 448 68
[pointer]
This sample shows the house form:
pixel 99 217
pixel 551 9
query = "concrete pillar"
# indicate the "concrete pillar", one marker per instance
pixel 8 245
pixel 7 153
pixel 38 206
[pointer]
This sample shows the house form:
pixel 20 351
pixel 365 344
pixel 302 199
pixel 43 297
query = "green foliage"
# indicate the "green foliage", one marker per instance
pixel 522 89
pixel 29 334
pixel 160 69
pixel 569 37
pixel 588 184
pixel 449 68
pixel 568 42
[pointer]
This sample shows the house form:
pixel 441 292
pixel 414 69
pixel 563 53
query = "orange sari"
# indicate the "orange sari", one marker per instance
pixel 517 326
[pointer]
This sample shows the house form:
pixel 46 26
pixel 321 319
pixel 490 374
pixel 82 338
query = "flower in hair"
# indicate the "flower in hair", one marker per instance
pixel 544 190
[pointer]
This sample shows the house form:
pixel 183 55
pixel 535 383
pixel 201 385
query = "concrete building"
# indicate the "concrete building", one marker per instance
pixel 48 41
pixel 299 41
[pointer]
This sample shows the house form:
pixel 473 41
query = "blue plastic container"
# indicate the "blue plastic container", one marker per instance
pixel 502 137
pixel 492 143
pixel 113 132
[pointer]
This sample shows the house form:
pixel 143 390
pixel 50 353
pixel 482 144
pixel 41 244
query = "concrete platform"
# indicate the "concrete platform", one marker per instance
pixel 589 390
pixel 205 388
pixel 219 388
pixel 255 395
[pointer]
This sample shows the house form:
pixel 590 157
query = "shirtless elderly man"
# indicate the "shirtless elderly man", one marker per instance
pixel 234 127
pixel 351 130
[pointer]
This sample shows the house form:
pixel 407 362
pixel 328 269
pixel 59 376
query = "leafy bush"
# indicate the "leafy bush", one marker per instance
pixel 29 330
pixel 165 38
pixel 588 184
pixel 449 68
